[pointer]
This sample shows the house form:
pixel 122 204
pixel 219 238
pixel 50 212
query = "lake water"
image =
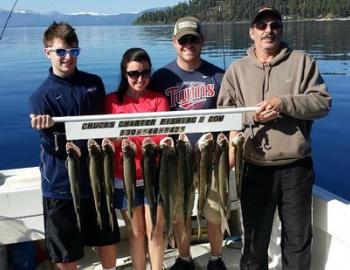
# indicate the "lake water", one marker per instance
pixel 23 67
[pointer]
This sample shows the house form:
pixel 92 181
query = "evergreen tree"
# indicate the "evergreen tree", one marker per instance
pixel 237 10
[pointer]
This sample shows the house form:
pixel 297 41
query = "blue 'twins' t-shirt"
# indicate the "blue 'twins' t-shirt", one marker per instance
pixel 189 90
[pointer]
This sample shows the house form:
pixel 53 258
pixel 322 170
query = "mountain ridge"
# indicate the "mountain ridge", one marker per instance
pixel 29 18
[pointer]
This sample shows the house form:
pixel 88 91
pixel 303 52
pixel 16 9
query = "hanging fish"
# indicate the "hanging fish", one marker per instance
pixel 73 167
pixel 129 171
pixel 168 182
pixel 108 177
pixel 150 176
pixel 205 145
pixel 185 168
pixel 238 143
pixel 222 178
pixel 96 175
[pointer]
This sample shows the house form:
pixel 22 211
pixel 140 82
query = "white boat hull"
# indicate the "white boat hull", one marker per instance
pixel 21 219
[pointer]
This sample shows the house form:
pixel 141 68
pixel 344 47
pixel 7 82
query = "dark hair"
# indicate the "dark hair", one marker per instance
pixel 61 30
pixel 132 54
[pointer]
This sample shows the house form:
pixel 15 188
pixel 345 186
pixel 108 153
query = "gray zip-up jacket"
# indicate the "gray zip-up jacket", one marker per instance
pixel 294 77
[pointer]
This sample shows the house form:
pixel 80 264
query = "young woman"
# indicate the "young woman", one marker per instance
pixel 133 96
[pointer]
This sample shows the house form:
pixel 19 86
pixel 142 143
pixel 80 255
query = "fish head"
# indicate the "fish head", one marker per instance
pixel 166 142
pixel 108 146
pixel 238 139
pixel 93 147
pixel 206 142
pixel 128 148
pixel 167 147
pixel 183 137
pixel 222 140
pixel 180 145
pixel 149 146
pixel 72 150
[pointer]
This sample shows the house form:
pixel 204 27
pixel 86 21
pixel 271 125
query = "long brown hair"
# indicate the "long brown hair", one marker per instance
pixel 132 54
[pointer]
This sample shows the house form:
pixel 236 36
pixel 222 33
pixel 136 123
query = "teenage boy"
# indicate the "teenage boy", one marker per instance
pixel 68 91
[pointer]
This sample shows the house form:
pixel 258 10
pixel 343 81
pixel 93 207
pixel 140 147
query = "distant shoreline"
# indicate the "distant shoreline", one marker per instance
pixel 334 19
pixel 204 22
pixel 318 19
pixel 295 20
pixel 299 20
pixel 246 21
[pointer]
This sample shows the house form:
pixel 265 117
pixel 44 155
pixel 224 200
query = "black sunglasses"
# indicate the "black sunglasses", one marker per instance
pixel 63 52
pixel 273 25
pixel 135 74
pixel 188 39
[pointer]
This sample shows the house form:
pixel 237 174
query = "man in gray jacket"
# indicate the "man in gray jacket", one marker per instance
pixel 290 93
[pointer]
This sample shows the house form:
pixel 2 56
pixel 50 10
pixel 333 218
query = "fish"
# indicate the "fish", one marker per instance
pixel 96 175
pixel 150 176
pixel 129 171
pixel 205 146
pixel 222 178
pixel 73 167
pixel 185 170
pixel 168 182
pixel 108 177
pixel 238 143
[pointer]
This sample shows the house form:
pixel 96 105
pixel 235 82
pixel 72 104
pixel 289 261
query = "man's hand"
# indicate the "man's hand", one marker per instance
pixel 41 121
pixel 268 110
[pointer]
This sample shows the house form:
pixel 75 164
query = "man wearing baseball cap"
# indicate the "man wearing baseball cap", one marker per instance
pixel 290 93
pixel 191 83
pixel 259 15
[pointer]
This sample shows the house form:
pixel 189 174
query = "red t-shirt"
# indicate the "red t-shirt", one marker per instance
pixel 149 102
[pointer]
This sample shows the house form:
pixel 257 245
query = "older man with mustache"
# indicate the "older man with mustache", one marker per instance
pixel 278 173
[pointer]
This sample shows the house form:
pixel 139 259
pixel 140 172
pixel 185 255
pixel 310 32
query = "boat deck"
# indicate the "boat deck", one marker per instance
pixel 331 223
pixel 200 253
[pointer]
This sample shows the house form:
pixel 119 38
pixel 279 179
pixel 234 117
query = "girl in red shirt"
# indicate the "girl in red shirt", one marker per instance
pixel 133 96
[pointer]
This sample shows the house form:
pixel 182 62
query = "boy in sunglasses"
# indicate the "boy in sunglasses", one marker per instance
pixel 278 173
pixel 67 91
pixel 191 83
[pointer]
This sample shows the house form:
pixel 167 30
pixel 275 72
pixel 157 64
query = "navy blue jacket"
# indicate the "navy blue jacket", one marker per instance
pixel 79 94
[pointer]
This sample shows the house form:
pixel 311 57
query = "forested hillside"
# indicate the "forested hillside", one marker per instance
pixel 241 10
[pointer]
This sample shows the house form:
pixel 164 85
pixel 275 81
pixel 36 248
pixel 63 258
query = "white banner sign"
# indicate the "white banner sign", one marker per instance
pixel 152 123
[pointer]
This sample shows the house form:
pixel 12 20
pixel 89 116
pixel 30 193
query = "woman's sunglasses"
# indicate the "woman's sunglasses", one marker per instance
pixel 63 52
pixel 135 74
pixel 273 25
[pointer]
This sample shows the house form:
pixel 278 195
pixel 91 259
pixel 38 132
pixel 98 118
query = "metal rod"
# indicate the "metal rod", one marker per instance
pixel 7 20
pixel 222 37
pixel 128 116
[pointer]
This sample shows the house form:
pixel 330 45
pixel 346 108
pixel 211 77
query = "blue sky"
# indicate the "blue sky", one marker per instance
pixel 101 6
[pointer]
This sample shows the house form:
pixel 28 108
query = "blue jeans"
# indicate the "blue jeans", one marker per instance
pixel 120 201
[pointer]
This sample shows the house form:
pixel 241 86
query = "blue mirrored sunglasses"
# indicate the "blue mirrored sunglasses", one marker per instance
pixel 63 52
